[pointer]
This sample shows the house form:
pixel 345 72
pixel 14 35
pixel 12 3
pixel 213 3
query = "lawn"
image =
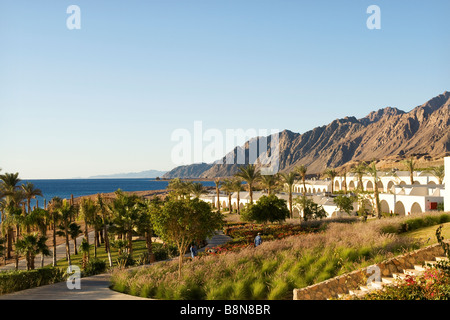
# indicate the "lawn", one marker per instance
pixel 429 233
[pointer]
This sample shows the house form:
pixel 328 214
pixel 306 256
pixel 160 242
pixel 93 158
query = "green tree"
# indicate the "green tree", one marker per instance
pixel 74 232
pixel 30 192
pixel 289 180
pixel 181 222
pixel 197 189
pixel 227 187
pixel 372 170
pixel 410 165
pixel 103 210
pixel 54 206
pixel 218 184
pixel 87 211
pixel 301 170
pixel 331 173
pixel 311 210
pixel 237 187
pixel 266 209
pixel 360 169
pixel 438 172
pixel 66 212
pixel 269 182
pixel 344 203
pixel 250 175
pixel 30 246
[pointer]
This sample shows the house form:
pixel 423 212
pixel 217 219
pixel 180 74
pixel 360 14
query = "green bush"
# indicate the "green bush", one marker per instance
pixel 20 280
pixel 95 266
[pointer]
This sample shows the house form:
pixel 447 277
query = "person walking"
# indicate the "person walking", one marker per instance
pixel 258 239
pixel 193 251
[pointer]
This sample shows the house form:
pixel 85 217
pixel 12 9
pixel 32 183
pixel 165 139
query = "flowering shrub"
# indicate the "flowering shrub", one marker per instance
pixel 434 284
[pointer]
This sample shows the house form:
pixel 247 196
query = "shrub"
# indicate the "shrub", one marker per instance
pixel 125 260
pixel 95 266
pixel 20 280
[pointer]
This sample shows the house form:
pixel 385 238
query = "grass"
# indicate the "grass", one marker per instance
pixel 138 249
pixel 429 233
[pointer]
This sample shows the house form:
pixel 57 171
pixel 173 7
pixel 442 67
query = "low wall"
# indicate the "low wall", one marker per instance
pixel 353 280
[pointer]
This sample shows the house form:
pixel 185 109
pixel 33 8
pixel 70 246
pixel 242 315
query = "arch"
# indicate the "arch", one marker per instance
pixel 384 205
pixel 415 208
pixel 336 186
pixel 369 186
pixel 224 204
pixel 241 206
pixel 324 190
pixel 431 183
pixel 399 208
pixel 314 190
pixel 309 190
pixel 389 185
pixel 416 182
pixel 402 183
pixel 380 186
pixel 295 212
pixel 351 185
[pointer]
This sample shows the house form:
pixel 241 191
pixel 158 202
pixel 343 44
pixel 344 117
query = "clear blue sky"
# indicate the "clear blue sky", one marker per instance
pixel 106 98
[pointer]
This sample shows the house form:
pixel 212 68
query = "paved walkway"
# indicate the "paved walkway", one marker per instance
pixel 92 288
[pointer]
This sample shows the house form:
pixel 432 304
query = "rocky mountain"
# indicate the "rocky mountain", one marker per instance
pixel 385 133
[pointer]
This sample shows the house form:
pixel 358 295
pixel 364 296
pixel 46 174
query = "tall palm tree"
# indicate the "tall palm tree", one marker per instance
pixel 331 173
pixel 250 175
pixel 438 172
pixel 54 206
pixel 103 210
pixel 269 182
pixel 372 170
pixel 360 169
pixel 410 166
pixel 344 175
pixel 74 231
pixel 289 179
pixel 197 189
pixel 9 186
pixel 87 211
pixel 66 211
pixel 218 183
pixel 301 170
pixel 227 186
pixel 237 187
pixel 30 192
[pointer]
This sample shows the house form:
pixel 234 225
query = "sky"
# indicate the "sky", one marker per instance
pixel 108 97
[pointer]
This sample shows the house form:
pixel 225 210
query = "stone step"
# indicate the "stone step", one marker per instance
pixel 441 259
pixel 358 293
pixel 376 285
pixel 399 275
pixel 388 280
pixel 412 272
pixel 420 268
pixel 430 263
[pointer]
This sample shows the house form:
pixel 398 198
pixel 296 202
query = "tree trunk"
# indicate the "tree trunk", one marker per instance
pixel 238 203
pixel 75 246
pixel 86 235
pixel 130 242
pixel 67 243
pixel 148 238
pixel 54 241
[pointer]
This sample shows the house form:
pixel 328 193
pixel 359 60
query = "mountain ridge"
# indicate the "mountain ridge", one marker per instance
pixel 387 132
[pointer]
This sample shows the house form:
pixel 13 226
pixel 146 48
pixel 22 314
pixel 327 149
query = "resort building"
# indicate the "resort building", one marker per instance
pixel 396 193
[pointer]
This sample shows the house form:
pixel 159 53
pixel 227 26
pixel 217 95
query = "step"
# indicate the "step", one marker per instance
pixel 441 259
pixel 358 293
pixel 388 280
pixel 376 285
pixel 420 268
pixel 399 275
pixel 430 263
pixel 412 272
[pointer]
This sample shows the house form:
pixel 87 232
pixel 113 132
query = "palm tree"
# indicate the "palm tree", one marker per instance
pixel 438 172
pixel 331 173
pixel 74 231
pixel 9 187
pixel 289 179
pixel 30 246
pixel 30 192
pixel 88 211
pixel 344 175
pixel 237 187
pixel 250 175
pixel 269 182
pixel 227 186
pixel 66 211
pixel 54 206
pixel 84 249
pixel 197 189
pixel 360 169
pixel 218 183
pixel 410 166
pixel 372 170
pixel 103 210
pixel 301 170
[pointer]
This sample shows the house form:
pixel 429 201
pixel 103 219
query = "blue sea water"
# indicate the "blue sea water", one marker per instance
pixel 64 188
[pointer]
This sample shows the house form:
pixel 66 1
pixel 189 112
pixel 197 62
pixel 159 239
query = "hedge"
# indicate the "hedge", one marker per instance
pixel 12 281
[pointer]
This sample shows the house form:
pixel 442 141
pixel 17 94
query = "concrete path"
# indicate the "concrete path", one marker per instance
pixel 91 288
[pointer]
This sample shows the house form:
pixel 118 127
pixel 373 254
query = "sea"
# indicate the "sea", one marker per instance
pixel 64 188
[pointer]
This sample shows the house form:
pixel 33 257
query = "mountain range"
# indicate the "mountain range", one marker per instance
pixel 386 133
